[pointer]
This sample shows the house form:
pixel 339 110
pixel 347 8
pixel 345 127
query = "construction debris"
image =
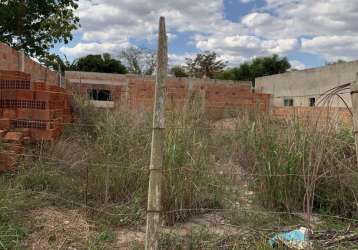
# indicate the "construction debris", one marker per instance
pixel 296 239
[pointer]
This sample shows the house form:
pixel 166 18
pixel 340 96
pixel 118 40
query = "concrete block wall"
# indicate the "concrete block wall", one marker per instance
pixel 11 59
pixel 309 83
pixel 138 91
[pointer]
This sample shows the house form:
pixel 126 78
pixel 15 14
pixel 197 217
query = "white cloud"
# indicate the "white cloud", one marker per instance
pixel 312 17
pixel 253 19
pixel 246 46
pixel 278 27
pixel 297 65
pixel 267 25
pixel 82 49
pixel 110 19
pixel 332 48
pixel 114 21
pixel 175 59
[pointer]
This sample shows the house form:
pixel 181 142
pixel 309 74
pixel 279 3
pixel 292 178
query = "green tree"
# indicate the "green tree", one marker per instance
pixel 178 71
pixel 261 66
pixel 264 66
pixel 36 25
pixel 99 63
pixel 204 65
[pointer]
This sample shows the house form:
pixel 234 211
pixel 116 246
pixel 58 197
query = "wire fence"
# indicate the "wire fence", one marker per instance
pixel 118 165
pixel 85 164
pixel 201 210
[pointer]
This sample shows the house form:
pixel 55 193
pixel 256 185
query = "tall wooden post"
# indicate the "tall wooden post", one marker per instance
pixel 157 147
pixel 354 94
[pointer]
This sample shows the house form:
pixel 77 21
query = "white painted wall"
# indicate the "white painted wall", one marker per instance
pixel 301 85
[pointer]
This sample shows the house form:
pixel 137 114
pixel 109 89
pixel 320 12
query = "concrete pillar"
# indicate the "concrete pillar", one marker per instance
pixel 154 206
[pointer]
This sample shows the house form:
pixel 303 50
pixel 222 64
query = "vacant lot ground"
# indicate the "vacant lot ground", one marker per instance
pixel 229 184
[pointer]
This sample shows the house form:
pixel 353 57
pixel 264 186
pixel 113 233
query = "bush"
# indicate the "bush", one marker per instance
pixel 39 177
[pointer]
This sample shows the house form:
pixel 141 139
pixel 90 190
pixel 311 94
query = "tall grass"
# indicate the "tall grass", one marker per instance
pixel 122 146
pixel 191 181
pixel 107 161
pixel 298 165
pixel 11 231
pixel 101 164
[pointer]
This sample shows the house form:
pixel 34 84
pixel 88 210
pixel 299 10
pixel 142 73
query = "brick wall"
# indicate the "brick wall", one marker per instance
pixel 138 91
pixel 33 107
pixel 314 114
pixel 29 111
pixel 10 59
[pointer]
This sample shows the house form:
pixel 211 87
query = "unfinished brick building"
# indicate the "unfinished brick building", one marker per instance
pixel 137 92
pixel 32 106
pixel 29 111
pixel 11 59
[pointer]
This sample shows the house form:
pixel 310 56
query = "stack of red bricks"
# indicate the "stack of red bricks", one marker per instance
pixel 29 112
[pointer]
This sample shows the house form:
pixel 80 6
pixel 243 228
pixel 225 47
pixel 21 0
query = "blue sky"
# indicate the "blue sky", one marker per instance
pixel 308 32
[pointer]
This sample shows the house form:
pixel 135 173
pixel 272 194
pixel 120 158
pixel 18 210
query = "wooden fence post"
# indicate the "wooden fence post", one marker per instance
pixel 157 147
pixel 354 95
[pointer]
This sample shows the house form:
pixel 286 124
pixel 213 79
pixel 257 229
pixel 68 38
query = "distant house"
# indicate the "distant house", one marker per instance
pixel 304 88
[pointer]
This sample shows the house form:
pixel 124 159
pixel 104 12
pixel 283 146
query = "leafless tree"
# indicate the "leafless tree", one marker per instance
pixel 140 61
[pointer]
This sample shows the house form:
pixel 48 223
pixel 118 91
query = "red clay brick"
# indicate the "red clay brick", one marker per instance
pixel 15 148
pixel 13 137
pixel 9 113
pixel 5 123
pixel 2 133
pixel 7 161
pixel 28 109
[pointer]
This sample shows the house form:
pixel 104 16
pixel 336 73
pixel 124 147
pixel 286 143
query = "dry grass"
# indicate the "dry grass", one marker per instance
pixel 58 229
pixel 103 167
pixel 293 165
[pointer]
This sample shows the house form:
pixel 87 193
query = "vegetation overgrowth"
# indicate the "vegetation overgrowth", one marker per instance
pixel 246 169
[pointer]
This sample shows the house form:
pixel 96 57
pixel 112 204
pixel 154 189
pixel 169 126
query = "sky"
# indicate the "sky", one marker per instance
pixel 308 32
